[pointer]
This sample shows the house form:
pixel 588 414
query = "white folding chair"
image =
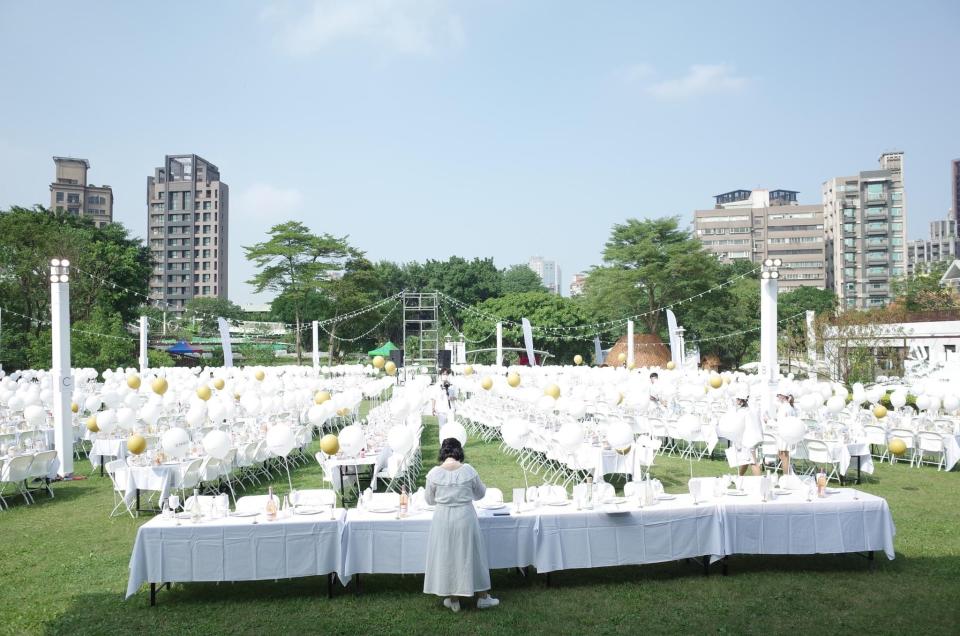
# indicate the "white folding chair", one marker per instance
pixel 15 472
pixel 40 469
pixel 876 437
pixel 819 454
pixel 907 436
pixel 316 497
pixel 930 443
pixel 119 492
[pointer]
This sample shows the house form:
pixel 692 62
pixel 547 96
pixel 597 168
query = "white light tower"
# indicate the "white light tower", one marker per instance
pixel 769 366
pixel 62 380
pixel 682 346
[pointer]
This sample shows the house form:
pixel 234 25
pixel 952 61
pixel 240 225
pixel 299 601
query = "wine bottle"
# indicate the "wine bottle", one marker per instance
pixel 404 501
pixel 271 505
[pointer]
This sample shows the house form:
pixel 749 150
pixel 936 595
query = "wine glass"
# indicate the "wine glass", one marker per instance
pixel 174 502
pixel 294 498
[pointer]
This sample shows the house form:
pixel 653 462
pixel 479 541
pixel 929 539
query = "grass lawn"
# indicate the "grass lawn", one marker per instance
pixel 64 570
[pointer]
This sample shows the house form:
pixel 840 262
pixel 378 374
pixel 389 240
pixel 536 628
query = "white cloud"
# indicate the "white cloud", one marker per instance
pixel 266 201
pixel 701 79
pixel 417 27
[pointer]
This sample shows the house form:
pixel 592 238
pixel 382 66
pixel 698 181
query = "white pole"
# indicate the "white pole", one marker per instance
pixel 316 346
pixel 62 380
pixel 499 344
pixel 144 363
pixel 630 345
pixel 769 366
pixel 811 340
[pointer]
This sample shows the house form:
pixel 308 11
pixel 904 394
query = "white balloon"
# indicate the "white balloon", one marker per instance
pixel 93 403
pixel 456 431
pixel 836 403
pixel 898 399
pixel 792 430
pixel 514 431
pixel 570 436
pixel 150 412
pixel 250 403
pixel 106 421
pixel 126 418
pixel 195 416
pixel 400 439
pixel 923 402
pixel 951 403
pixel 576 408
pixel 620 434
pixel 175 442
pixel 280 440
pixel 546 403
pixel 875 394
pixel 731 426
pixel 216 411
pixel 316 414
pixel 35 415
pixel 217 443
pixel 351 439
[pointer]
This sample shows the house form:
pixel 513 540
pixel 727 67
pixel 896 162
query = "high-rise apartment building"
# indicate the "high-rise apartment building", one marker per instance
pixel 188 213
pixel 865 216
pixel 754 225
pixel 577 283
pixel 941 246
pixel 548 270
pixel 955 191
pixel 71 194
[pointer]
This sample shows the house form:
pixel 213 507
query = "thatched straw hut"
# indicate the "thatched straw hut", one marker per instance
pixel 649 351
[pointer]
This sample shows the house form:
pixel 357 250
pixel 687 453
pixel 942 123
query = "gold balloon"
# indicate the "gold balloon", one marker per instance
pixel 897 446
pixel 159 385
pixel 671 365
pixel 879 411
pixel 716 381
pixel 623 451
pixel 204 393
pixel 321 397
pixel 631 366
pixel 92 424
pixel 260 375
pixel 133 381
pixel 136 444
pixel 578 359
pixel 622 357
pixel 236 396
pixel 553 391
pixel 513 379
pixel 468 370
pixel 378 362
pixel 329 444
pixel 390 368
pixel 343 411
pixel 486 383
pixel 74 407
pixel 218 384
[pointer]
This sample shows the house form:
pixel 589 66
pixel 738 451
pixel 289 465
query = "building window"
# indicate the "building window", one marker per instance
pixel 896 195
pixel 73 210
pixel 59 197
pixel 896 226
pixel 897 256
pixel 897 211
pixel 73 198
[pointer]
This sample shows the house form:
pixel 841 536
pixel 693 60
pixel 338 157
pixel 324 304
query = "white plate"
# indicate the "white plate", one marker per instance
pixel 244 513
pixel 615 500
pixel 426 508
pixel 491 506
pixel 737 493
pixel 308 511
pixel 665 497
pixel 831 491
pixel 558 503
pixel 782 493
pixel 384 510
pixel 184 515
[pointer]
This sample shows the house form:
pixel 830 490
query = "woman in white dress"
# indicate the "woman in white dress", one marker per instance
pixel 785 408
pixel 456 555
pixel 746 449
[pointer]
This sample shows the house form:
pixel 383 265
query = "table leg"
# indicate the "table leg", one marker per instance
pixel 138 500
pixel 356 585
pixel 706 565
pixel 859 462
pixel 101 465
pixel 153 594
pixel 330 584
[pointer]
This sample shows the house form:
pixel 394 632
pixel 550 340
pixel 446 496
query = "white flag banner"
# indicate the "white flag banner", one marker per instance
pixel 528 342
pixel 225 342
pixel 674 338
pixel 597 351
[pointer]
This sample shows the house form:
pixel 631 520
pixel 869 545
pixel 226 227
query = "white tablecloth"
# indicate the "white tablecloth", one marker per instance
pixel 790 524
pixel 162 479
pixel 381 543
pixel 670 530
pixel 377 459
pixel 234 549
pixel 951 450
pixel 843 453
pixel 108 449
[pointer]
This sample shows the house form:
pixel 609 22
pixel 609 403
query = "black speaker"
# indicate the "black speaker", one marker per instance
pixel 396 357
pixel 444 357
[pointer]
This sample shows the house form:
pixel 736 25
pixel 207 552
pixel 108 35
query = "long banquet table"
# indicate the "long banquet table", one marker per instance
pixel 549 538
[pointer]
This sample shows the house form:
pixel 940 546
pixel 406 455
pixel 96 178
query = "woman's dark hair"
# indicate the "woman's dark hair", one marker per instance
pixel 741 401
pixel 451 447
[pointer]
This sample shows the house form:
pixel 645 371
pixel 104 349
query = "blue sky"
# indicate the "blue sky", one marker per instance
pixel 426 128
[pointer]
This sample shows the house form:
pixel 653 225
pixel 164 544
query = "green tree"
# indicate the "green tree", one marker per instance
pixel 725 322
pixel 923 292
pixel 649 263
pixel 357 288
pixel 201 314
pixel 520 278
pixel 546 313
pixel 109 272
pixel 295 262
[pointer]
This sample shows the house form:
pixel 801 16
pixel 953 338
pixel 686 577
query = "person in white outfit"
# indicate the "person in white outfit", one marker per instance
pixel 456 555
pixel 785 408
pixel 442 408
pixel 752 436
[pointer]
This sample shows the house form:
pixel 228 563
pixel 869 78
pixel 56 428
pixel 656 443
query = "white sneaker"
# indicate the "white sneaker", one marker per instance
pixel 452 604
pixel 485 602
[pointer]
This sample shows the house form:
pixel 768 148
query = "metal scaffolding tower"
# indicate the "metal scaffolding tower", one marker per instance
pixel 420 321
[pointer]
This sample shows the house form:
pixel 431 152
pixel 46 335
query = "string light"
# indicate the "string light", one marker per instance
pixel 367 332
